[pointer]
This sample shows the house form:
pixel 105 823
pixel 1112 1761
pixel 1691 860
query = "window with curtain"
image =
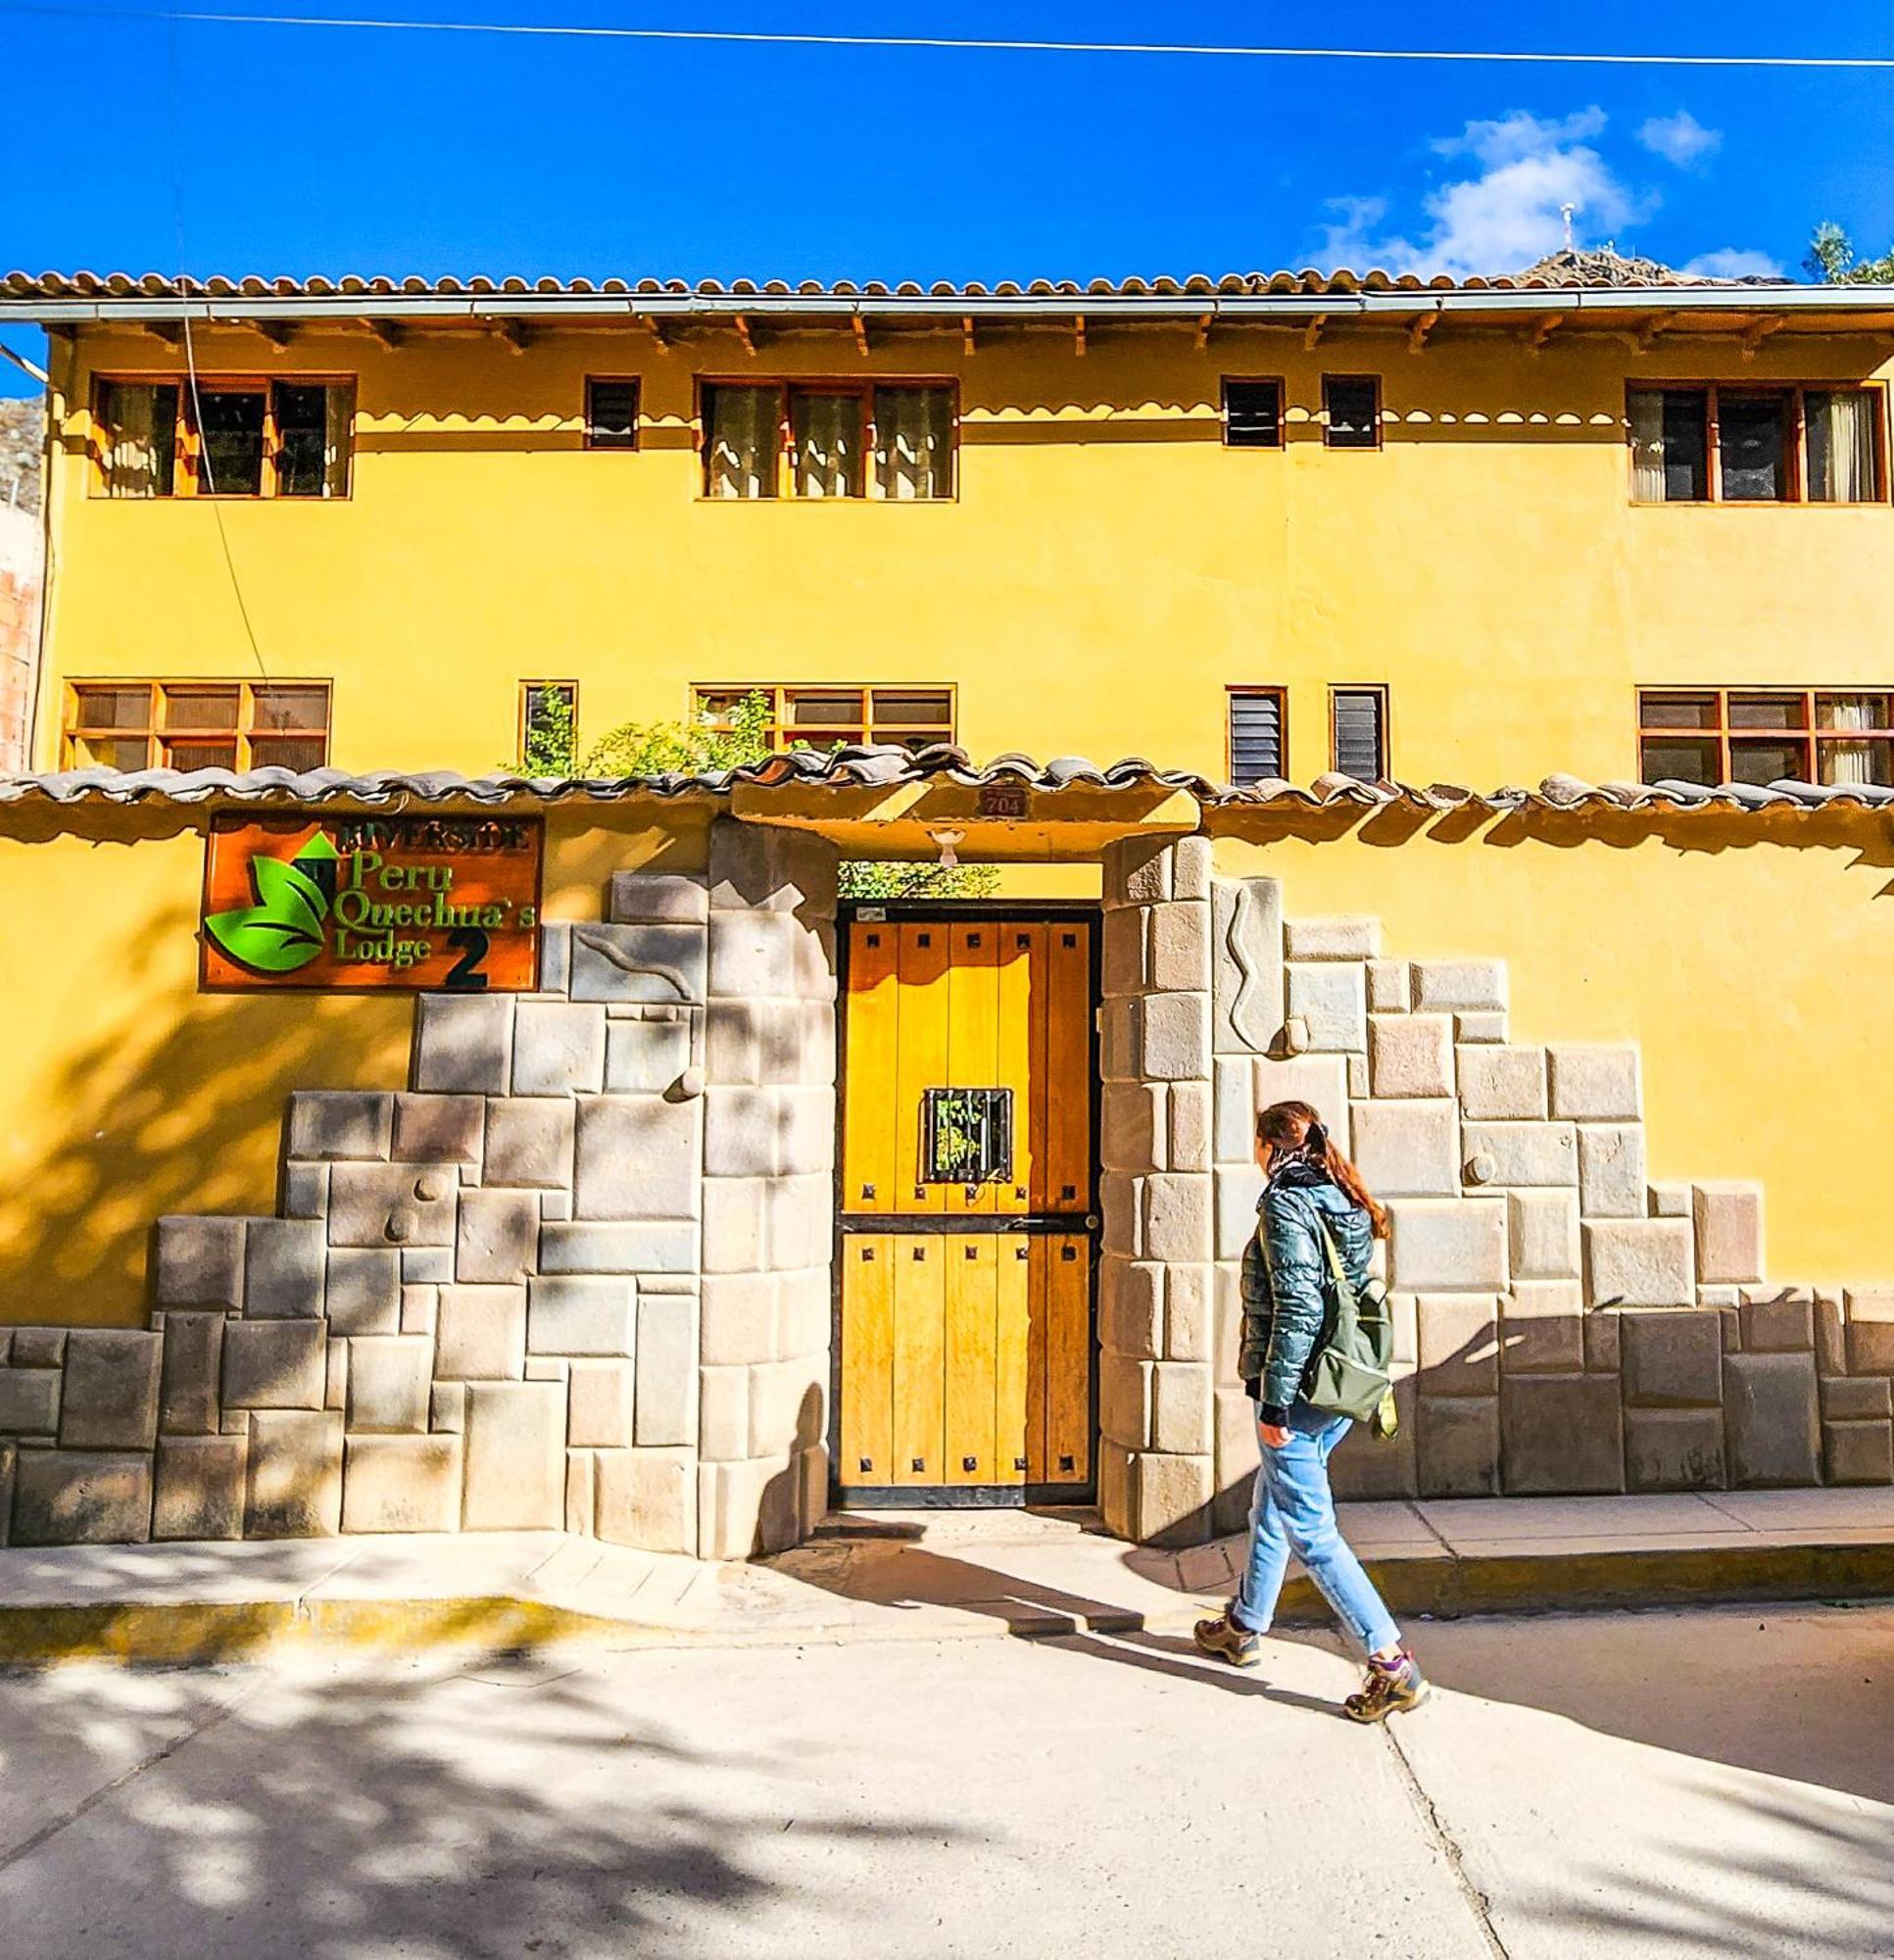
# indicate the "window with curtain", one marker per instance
pixel 610 414
pixel 1842 428
pixel 913 443
pixel 742 441
pixel 1358 725
pixel 891 441
pixel 1764 735
pixel 248 438
pixel 192 724
pixel 825 443
pixel 1351 411
pixel 1252 414
pixel 1751 445
pixel 1257 725
pixel 138 437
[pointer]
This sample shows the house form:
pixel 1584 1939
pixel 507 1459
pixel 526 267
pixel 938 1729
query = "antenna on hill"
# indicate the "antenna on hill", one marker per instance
pixel 1564 212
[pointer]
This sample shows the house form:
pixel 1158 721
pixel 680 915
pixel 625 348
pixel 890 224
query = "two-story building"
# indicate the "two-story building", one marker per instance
pixel 691 1195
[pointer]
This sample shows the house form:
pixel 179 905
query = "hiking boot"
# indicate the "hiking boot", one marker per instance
pixel 1225 1638
pixel 1390 1687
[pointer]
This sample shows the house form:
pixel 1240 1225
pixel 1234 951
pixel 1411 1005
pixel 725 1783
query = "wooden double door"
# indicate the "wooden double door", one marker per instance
pixel 965 1351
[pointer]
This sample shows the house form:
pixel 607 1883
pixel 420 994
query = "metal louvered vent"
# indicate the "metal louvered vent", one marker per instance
pixel 1255 737
pixel 1360 733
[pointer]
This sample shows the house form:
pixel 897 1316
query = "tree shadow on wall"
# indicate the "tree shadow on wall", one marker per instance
pixel 499 1808
pixel 176 1105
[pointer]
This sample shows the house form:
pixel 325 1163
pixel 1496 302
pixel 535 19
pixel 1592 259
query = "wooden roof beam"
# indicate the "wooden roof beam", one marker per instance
pixel 1078 333
pixel 1204 320
pixel 517 335
pixel 860 327
pixel 387 331
pixel 170 331
pixel 1758 332
pixel 1646 337
pixel 739 325
pixel 1547 327
pixel 657 329
pixel 968 344
pixel 1311 333
pixel 278 332
pixel 1418 333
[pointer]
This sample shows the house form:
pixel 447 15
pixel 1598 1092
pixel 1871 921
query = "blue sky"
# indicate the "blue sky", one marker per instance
pixel 240 148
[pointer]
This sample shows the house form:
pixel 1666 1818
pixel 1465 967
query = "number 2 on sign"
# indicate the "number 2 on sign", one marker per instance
pixel 465 973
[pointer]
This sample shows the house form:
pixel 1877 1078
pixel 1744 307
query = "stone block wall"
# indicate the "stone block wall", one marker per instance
pixel 576 1276
pixel 1563 1324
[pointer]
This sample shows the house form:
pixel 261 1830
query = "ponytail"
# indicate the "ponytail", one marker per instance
pixel 1298 1126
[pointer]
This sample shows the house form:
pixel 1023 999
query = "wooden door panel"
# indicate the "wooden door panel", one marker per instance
pixel 871 1108
pixel 1015 1435
pixel 1067 1382
pixel 919 1360
pixel 1067 1184
pixel 973 1037
pixel 922 1060
pixel 972 1330
pixel 867 1437
pixel 1021 1044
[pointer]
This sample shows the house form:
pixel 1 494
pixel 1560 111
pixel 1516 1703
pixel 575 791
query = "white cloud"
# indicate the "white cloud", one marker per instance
pixel 1509 214
pixel 1734 261
pixel 1680 140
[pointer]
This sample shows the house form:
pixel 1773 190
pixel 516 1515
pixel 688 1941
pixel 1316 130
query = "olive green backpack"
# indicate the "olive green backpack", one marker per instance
pixel 1351 1372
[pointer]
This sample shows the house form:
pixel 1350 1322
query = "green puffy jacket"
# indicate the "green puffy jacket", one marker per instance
pixel 1287 1298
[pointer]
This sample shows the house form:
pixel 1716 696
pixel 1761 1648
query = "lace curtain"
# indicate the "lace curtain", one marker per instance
pixel 1841 447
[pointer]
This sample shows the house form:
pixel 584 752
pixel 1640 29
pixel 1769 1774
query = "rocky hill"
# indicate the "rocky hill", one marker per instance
pixel 20 440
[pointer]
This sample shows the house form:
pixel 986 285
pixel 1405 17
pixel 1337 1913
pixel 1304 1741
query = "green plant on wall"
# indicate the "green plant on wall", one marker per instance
pixel 700 745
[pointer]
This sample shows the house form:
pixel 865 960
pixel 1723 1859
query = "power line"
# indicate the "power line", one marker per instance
pixel 945 42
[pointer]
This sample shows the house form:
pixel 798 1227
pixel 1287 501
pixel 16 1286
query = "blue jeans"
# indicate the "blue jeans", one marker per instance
pixel 1294 1511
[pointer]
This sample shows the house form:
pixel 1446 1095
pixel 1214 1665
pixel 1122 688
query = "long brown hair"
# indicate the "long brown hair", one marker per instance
pixel 1299 1126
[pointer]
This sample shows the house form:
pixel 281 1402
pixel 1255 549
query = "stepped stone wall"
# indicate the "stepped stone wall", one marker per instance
pixel 1563 1324
pixel 575 1275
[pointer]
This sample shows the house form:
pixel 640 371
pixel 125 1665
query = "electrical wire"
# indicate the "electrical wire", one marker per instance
pixel 948 42
pixel 190 352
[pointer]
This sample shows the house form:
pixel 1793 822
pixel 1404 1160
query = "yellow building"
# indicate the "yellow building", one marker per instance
pixel 1250 528
pixel 393 1149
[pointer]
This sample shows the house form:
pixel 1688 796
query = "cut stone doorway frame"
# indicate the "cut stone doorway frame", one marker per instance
pixel 1090 1222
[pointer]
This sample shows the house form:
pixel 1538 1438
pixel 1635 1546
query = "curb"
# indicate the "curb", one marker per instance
pixel 199 1634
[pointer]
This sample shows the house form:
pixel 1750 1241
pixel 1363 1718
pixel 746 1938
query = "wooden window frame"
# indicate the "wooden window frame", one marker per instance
pixel 1798 468
pixel 1361 447
pixel 1274 382
pixel 785 387
pixel 525 689
pixel 187 456
pixel 636 383
pixel 1374 687
pixel 1809 735
pixel 154 733
pixel 779 693
pixel 1280 696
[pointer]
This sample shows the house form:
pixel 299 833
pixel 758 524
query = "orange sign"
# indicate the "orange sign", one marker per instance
pixel 373 902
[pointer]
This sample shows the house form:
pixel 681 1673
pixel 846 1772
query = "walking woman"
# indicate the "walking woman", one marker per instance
pixel 1311 1192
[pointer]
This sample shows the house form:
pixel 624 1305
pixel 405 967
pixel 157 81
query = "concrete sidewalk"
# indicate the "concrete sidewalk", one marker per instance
pixel 915 1576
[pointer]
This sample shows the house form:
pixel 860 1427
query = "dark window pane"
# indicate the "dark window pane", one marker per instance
pixel 230 440
pixel 141 437
pixel 911 738
pixel 200 708
pixel 1768 710
pixel 1678 711
pixel 1678 759
pixel 1255 737
pixel 807 707
pixel 1360 739
pixel 302 440
pixel 1687 446
pixel 1851 712
pixel 292 708
pixel 113 706
pixel 934 711
pixel 914 443
pixel 1844 449
pixel 1350 402
pixel 289 751
pixel 200 755
pixel 742 441
pixel 1754 431
pixel 120 752
pixel 1252 415
pixel 1765 761
pixel 612 414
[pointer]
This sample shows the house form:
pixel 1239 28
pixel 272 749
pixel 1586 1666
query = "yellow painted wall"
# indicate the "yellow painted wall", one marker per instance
pixel 1107 569
pixel 126 1094
pixel 1748 957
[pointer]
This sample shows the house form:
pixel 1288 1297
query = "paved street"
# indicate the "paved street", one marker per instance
pixel 1717 1781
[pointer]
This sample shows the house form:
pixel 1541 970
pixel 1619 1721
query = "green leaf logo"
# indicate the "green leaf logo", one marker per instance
pixel 283 930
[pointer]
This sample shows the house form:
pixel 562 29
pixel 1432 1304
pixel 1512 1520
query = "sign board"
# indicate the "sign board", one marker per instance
pixel 1002 799
pixel 371 903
